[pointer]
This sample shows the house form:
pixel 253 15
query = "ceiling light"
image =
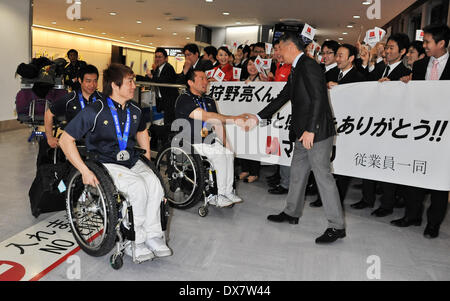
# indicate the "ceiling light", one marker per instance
pixel 356 17
pixel 138 40
pixel 188 38
pixel 113 14
pixel 349 26
pixel 367 2
pixel 158 28
pixel 340 39
pixel 122 37
pixel 139 22
pixel 103 32
pixel 238 23
pixel 53 22
pixel 225 13
pixel 81 28
pixel 209 0
pixel 344 33
pixel 174 33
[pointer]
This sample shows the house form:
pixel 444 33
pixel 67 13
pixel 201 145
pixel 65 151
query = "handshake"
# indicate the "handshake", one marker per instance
pixel 246 121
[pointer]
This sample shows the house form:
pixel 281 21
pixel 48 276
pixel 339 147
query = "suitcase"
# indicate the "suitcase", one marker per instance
pixel 45 195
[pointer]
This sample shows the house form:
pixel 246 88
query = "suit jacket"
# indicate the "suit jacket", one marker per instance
pixel 353 76
pixel 306 89
pixel 420 70
pixel 168 97
pixel 202 65
pixel 395 75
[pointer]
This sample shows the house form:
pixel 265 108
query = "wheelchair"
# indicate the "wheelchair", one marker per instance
pixel 100 217
pixel 188 177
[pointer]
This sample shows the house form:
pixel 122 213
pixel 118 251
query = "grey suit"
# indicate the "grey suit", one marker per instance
pixel 311 112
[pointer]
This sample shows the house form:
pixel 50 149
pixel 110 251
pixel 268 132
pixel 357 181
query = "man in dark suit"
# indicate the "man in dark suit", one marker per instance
pixel 436 66
pixel 192 62
pixel 312 129
pixel 210 53
pixel 164 73
pixel 396 48
pixel 346 73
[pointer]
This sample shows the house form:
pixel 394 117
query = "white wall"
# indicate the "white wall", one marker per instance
pixel 15 49
pixel 242 34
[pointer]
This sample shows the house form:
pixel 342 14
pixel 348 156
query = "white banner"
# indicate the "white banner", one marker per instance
pixel 392 132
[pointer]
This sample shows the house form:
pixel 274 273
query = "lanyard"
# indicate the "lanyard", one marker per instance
pixel 123 139
pixel 81 99
pixel 202 104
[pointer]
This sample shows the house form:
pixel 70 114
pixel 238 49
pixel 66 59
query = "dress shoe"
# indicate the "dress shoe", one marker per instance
pixel 381 212
pixel 405 222
pixel 431 231
pixel 278 190
pixel 283 217
pixel 316 204
pixel 251 179
pixel 330 235
pixel 361 205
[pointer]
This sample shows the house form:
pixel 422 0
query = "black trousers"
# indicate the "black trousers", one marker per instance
pixel 387 199
pixel 414 205
pixel 250 166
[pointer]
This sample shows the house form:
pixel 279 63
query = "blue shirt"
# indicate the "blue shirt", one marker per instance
pixel 97 124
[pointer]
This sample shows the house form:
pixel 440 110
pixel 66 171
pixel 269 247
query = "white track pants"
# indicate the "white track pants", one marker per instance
pixel 143 190
pixel 223 160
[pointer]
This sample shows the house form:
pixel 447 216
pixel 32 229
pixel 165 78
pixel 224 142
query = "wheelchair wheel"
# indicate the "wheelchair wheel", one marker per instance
pixel 182 176
pixel 92 211
pixel 116 261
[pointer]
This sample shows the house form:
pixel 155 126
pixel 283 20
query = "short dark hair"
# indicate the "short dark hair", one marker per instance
pixel 260 45
pixel 72 51
pixel 402 41
pixel 88 69
pixel 440 32
pixel 294 38
pixel 193 48
pixel 331 44
pixel 246 49
pixel 115 73
pixel 223 48
pixel 161 50
pixel 352 51
pixel 211 50
pixel 418 45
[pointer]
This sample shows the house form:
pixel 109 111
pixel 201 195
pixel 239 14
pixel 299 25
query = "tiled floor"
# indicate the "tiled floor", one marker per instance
pixel 239 243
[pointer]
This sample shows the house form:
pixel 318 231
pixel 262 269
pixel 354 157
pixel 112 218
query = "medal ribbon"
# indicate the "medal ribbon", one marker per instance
pixel 123 139
pixel 81 99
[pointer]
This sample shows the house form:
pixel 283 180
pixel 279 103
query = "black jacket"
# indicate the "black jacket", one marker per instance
pixel 202 65
pixel 400 71
pixel 168 97
pixel 353 76
pixel 306 89
pixel 420 70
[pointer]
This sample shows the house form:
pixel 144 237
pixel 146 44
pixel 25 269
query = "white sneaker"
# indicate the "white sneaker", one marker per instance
pixel 142 253
pixel 158 247
pixel 234 198
pixel 223 201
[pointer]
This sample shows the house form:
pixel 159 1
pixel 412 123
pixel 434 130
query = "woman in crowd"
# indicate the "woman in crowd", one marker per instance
pixel 223 57
pixel 250 169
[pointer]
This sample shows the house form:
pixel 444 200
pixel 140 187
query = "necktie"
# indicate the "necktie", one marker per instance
pixel 341 75
pixel 435 71
pixel 386 73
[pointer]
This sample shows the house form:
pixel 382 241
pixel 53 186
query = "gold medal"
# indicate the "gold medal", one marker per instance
pixel 204 132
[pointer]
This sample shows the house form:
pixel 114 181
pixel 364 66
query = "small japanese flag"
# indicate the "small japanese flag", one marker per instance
pixel 372 38
pixel 317 47
pixel 235 45
pixel 259 64
pixel 209 73
pixel 419 35
pixel 267 63
pixel 381 32
pixel 268 48
pixel 309 32
pixel 219 75
pixel 237 73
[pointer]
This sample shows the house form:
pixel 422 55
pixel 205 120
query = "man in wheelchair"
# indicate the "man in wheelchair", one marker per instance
pixel 112 126
pixel 71 104
pixel 201 113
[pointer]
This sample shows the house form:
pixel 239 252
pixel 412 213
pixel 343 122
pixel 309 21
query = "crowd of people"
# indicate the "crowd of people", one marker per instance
pixel 396 59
